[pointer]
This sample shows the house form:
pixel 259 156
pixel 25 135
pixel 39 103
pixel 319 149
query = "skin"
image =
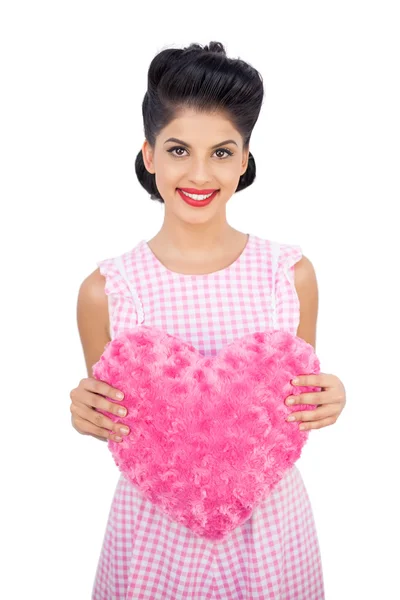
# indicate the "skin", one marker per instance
pixel 331 399
pixel 198 241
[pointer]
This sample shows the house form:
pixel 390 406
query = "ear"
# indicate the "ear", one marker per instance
pixel 147 154
pixel 245 161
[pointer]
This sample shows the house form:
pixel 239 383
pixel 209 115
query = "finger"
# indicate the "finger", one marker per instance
pixel 102 387
pixel 317 424
pixel 318 380
pixel 321 412
pixel 87 428
pixel 96 422
pixel 310 398
pixel 93 400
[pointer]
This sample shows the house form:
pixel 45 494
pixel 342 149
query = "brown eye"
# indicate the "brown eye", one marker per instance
pixel 177 148
pixel 225 150
pixel 172 149
pixel 228 152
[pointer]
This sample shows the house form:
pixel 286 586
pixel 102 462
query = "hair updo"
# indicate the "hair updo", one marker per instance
pixel 206 80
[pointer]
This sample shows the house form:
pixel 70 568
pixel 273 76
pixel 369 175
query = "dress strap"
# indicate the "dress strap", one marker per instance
pixel 138 303
pixel 275 255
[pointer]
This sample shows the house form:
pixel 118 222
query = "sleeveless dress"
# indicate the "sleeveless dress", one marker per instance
pixel 275 554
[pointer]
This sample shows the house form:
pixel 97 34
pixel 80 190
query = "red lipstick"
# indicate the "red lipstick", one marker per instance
pixel 193 191
pixel 197 203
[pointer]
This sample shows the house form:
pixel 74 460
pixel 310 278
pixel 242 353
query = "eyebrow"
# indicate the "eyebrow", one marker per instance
pixel 172 139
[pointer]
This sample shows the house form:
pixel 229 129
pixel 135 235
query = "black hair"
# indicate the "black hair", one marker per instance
pixel 205 79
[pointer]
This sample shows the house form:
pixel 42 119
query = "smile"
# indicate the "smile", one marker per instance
pixel 197 199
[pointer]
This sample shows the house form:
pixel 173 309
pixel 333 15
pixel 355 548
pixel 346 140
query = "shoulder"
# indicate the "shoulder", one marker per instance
pixel 92 288
pixel 92 302
pixel 297 269
pixel 110 273
pixel 306 285
pixel 304 274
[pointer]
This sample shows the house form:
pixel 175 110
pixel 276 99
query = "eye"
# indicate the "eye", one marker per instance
pixel 171 150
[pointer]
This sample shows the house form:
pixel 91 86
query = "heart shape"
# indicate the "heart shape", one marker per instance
pixel 208 436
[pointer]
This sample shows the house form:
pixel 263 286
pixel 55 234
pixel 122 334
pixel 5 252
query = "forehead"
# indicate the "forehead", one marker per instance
pixel 200 127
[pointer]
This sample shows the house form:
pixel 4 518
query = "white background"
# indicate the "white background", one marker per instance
pixel 73 76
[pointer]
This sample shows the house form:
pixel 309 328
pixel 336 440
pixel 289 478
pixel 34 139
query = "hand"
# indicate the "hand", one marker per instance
pixel 331 400
pixel 86 398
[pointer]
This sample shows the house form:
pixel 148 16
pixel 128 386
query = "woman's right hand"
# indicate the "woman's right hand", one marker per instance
pixel 85 399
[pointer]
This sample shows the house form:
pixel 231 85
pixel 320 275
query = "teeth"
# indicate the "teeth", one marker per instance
pixel 197 196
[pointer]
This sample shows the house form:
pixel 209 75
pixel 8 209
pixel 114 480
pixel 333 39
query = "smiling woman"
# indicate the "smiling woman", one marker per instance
pixel 192 280
pixel 196 166
pixel 196 95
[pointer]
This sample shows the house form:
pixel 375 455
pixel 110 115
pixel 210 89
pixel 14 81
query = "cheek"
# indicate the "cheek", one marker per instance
pixel 229 175
pixel 170 175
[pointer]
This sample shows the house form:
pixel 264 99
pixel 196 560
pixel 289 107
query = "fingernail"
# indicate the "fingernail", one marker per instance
pixel 119 395
pixel 124 430
pixel 122 412
pixel 117 438
pixel 290 401
pixel 291 418
pixel 295 380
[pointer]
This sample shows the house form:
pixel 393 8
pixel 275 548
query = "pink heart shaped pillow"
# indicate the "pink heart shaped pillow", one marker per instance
pixel 208 436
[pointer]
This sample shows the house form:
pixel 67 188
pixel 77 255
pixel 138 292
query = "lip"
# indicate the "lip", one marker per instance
pixel 193 191
pixel 197 203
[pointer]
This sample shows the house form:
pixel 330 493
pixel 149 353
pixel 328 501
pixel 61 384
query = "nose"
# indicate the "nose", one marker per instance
pixel 199 175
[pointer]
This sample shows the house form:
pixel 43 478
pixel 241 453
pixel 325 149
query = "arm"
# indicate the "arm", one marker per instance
pixel 93 318
pixel 93 325
pixel 307 290
pixel 331 399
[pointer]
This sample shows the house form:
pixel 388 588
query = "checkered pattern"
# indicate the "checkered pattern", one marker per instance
pixel 275 554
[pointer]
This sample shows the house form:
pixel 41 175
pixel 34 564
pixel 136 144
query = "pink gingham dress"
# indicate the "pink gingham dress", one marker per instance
pixel 275 554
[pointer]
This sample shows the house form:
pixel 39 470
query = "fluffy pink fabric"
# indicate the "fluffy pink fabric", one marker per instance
pixel 208 436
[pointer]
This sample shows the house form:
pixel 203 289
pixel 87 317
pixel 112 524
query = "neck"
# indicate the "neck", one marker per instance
pixel 193 239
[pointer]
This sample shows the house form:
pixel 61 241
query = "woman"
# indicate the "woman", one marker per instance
pixel 208 283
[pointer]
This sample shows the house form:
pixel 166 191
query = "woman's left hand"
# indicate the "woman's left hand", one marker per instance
pixel 331 400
